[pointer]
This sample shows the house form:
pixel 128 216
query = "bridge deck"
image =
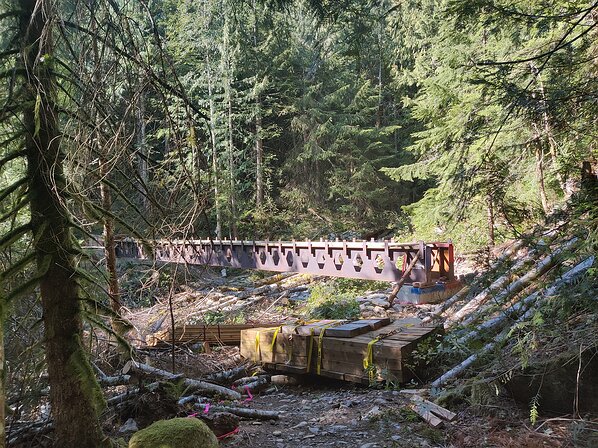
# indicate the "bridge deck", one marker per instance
pixel 368 260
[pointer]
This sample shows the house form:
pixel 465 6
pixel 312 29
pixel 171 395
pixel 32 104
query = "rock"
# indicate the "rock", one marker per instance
pixel 129 426
pixel 366 307
pixel 372 413
pixel 369 445
pixel 276 433
pixel 177 432
pixel 221 422
pixel 300 425
pixel 337 428
pixel 314 430
pixel 380 302
pixel 379 310
pixel 376 296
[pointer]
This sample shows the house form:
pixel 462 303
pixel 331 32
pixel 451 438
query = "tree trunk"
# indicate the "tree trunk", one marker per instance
pixel 380 108
pixel 110 251
pixel 141 141
pixel 105 193
pixel 540 176
pixel 490 215
pixel 259 155
pixel 2 386
pixel 548 134
pixel 215 177
pixel 75 395
pixel 231 148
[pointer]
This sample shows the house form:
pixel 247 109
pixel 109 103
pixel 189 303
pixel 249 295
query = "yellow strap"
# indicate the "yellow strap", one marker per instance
pixel 273 345
pixel 368 361
pixel 309 350
pixel 320 337
pixel 257 346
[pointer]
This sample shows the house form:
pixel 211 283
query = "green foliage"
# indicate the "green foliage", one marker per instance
pixel 214 317
pixel 327 301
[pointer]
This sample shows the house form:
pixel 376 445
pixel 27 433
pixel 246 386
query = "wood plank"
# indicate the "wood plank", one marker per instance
pixel 436 409
pixel 356 328
pixel 424 412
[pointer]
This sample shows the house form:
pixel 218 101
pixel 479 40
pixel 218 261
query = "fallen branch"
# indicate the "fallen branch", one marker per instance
pixel 249 379
pixel 189 383
pixel 117 380
pixel 257 414
pixel 228 376
pixel 256 384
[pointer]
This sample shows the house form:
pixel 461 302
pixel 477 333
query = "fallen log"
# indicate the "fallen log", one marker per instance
pixel 275 278
pixel 257 414
pixel 484 295
pixel 523 305
pixel 190 384
pixel 513 288
pixel 442 307
pixel 117 380
pixel 229 376
pixel 250 379
pixel 490 346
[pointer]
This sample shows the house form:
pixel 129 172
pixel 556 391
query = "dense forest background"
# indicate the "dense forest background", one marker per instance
pixel 420 119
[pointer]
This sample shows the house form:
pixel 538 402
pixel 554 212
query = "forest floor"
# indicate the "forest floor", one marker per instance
pixel 322 412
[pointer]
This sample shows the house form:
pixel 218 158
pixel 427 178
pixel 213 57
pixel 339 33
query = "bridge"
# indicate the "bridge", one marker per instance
pixel 366 260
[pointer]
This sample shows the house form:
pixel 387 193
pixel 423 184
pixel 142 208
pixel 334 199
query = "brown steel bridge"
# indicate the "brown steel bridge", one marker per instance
pixel 367 260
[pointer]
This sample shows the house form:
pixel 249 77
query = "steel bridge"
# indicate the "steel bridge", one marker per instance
pixel 367 260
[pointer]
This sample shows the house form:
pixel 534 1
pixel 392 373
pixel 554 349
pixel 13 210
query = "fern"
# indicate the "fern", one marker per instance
pixel 533 410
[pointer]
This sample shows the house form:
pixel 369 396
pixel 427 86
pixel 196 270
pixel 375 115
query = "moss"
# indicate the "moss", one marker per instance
pixel 175 433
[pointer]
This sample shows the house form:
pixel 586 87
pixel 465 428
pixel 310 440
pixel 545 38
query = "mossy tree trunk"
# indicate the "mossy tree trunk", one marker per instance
pixel 74 393
pixel 2 385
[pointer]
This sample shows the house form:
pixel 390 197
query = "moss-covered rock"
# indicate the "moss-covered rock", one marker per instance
pixel 175 433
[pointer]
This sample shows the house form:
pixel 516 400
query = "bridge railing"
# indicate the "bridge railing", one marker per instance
pixel 368 260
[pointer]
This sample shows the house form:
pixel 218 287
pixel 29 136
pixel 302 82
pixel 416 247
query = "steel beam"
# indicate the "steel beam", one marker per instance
pixel 367 260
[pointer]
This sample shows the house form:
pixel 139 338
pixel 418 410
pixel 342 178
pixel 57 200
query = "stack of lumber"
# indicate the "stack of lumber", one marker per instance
pixel 189 334
pixel 340 349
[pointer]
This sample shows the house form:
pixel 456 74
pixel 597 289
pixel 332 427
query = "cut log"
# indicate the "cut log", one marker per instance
pixel 190 384
pixel 257 414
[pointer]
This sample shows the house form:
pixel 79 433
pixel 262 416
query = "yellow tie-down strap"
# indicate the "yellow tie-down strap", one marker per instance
pixel 368 361
pixel 320 337
pixel 272 345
